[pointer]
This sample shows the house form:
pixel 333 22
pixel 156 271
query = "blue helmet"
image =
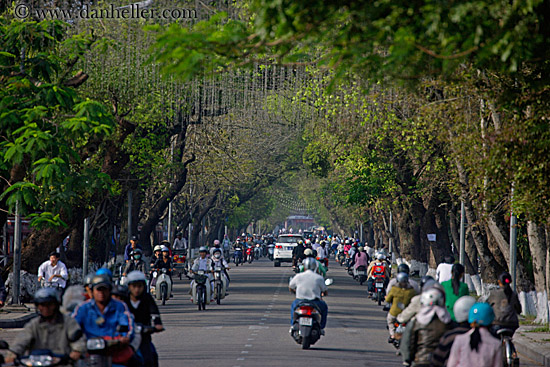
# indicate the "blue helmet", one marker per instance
pixel 102 271
pixel 482 314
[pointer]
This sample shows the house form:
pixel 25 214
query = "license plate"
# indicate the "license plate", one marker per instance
pixel 379 285
pixel 361 273
pixel 289 247
pixel 306 321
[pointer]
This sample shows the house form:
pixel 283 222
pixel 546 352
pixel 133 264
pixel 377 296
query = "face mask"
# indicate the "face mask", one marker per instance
pixel 137 257
pixel 217 256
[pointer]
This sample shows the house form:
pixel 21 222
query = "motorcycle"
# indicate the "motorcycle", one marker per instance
pixel 257 252
pixel 270 251
pixel 220 284
pixel 380 294
pixel 399 330
pixel 306 329
pixel 249 255
pixel 37 358
pixel 238 256
pixel 360 274
pixel 162 287
pixel 509 354
pixel 341 258
pixel 201 290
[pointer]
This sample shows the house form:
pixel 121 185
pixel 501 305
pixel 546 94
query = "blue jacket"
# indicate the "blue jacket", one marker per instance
pixel 95 324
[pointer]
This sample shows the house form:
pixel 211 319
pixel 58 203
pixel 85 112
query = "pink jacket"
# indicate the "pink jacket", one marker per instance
pixel 361 260
pixel 488 354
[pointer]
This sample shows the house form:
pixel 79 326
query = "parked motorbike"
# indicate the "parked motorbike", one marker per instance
pixel 238 256
pixel 220 284
pixel 201 290
pixel 162 285
pixel 306 329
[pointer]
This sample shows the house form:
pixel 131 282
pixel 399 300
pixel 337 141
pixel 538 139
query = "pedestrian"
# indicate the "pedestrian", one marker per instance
pixel 130 247
pixel 53 272
pixel 455 288
pixel 477 347
pixel 443 271
pixel 461 311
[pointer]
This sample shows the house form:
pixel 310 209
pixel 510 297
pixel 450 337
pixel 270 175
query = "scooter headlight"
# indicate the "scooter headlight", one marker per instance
pixel 95 344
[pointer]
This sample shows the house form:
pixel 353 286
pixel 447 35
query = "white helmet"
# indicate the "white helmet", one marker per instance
pixel 308 252
pixel 310 264
pixel 157 248
pixel 164 249
pixel 202 249
pixel 135 276
pixel 433 296
pixel 216 242
pixel 380 256
pixel 462 308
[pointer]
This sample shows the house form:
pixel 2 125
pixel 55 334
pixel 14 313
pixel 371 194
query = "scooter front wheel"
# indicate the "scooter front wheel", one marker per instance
pixel 218 293
pixel 306 342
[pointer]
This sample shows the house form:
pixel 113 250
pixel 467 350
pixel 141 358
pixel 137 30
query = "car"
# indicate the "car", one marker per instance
pixel 283 248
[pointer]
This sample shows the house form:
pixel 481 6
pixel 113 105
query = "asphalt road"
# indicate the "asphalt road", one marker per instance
pixel 250 327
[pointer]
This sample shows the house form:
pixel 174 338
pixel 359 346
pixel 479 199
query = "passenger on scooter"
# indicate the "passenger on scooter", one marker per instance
pixel 422 334
pixel 156 255
pixel 414 306
pixel 477 347
pixel 144 308
pixel 404 268
pixel 136 263
pixel 218 260
pixel 461 310
pixel 216 247
pixel 52 330
pixel 309 253
pixel 309 286
pixel 399 296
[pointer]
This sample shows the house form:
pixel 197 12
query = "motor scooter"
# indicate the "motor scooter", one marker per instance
pixel 220 284
pixel 270 251
pixel 201 291
pixel 161 286
pixel 43 357
pixel 360 274
pixel 509 354
pixel 249 255
pixel 238 256
pixel 257 251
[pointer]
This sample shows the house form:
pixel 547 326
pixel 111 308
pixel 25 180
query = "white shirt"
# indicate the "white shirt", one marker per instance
pixel 46 270
pixel 321 253
pixel 443 272
pixel 178 244
pixel 412 282
pixel 308 285
pixel 202 264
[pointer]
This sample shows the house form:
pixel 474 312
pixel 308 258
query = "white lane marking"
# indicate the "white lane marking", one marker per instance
pixel 256 327
pixel 263 319
pixel 212 327
pixel 251 339
pixel 244 352
pixel 248 345
pixel 240 359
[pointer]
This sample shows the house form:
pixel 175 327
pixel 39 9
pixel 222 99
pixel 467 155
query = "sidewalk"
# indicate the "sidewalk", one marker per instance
pixel 15 317
pixel 535 346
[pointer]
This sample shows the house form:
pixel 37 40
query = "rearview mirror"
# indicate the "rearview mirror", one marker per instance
pixel 329 281
pixel 122 328
pixel 4 344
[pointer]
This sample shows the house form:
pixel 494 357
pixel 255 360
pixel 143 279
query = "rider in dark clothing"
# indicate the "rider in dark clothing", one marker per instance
pixel 298 253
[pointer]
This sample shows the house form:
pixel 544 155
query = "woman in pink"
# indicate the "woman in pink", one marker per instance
pixel 477 348
pixel 361 259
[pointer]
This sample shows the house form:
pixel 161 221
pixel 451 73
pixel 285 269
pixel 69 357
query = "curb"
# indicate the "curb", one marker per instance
pixel 532 350
pixel 18 322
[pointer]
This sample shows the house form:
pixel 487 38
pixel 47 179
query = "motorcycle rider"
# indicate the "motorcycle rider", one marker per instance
pixel 144 308
pixel 461 310
pixel 226 244
pixel 205 264
pixel 298 253
pixel 477 347
pixel 505 303
pixel 165 263
pixel 136 263
pixel 414 306
pixel 52 330
pixel 399 296
pixel 322 253
pixel 404 268
pixel 361 259
pixel 422 334
pixel 130 247
pixel 218 260
pixel 379 263
pixel 100 316
pixel 216 247
pixel 309 253
pixel 309 286
pixel 156 254
pixel 53 271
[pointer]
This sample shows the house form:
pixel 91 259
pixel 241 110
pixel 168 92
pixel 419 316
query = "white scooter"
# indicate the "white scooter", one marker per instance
pixel 220 284
pixel 162 288
pixel 201 291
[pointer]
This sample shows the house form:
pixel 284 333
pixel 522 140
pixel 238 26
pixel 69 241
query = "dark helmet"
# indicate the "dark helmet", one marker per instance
pixel 102 280
pixel 45 295
pixel 403 268
pixel 425 280
pixel 121 291
pixel 88 279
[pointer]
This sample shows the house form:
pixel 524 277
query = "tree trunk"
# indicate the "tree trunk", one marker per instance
pixel 197 220
pixel 537 246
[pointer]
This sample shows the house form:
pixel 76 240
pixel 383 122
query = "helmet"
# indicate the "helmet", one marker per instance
pixel 402 277
pixel 88 279
pixel 104 271
pixel 425 280
pixel 346 242
pixel 216 242
pixel 482 314
pixel 121 291
pixel 380 256
pixel 157 248
pixel 361 249
pixel 310 264
pixel 44 295
pixel 308 241
pixel 403 268
pixel 432 297
pixel 165 249
pixel 202 249
pixel 462 308
pixel 135 276
pixel 102 280
pixel 217 250
pixel 308 252
pixel 136 254
pixel 300 242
